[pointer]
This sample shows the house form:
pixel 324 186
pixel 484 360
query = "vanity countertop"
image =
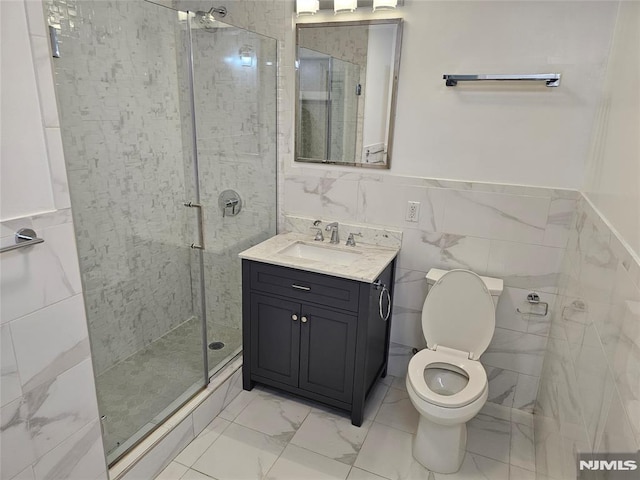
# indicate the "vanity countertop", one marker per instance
pixel 367 267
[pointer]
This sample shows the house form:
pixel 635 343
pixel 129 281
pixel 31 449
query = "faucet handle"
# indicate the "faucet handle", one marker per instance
pixel 319 236
pixel 351 242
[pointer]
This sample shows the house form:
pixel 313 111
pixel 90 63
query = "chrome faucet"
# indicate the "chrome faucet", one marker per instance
pixel 335 237
pixel 351 241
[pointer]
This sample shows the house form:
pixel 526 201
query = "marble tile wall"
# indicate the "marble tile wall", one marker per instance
pixel 49 421
pixel 515 233
pixel 120 118
pixel 274 19
pixel 589 397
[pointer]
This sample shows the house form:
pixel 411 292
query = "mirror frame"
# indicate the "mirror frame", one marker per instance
pixel 394 89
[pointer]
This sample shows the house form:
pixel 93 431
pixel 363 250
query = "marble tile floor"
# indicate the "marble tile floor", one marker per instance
pixel 266 434
pixel 136 391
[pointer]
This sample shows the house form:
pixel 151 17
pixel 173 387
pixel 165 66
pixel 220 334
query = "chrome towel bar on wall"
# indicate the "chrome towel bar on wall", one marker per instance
pixel 25 237
pixel 550 79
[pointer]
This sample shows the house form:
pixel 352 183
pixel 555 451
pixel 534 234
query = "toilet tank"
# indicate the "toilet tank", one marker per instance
pixel 494 285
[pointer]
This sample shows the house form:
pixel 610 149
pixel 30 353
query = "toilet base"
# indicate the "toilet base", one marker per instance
pixel 440 448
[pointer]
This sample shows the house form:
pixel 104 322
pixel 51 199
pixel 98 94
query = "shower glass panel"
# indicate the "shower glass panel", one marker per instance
pixel 329 91
pixel 345 88
pixel 234 78
pixel 133 149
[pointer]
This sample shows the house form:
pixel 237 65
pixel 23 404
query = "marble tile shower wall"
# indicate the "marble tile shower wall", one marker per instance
pixel 273 18
pixel 515 233
pixel 118 96
pixel 235 110
pixel 589 398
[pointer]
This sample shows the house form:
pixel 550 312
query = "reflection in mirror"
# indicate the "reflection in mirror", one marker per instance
pixel 346 89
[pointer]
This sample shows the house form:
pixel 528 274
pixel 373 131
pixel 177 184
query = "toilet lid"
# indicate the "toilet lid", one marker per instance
pixel 459 313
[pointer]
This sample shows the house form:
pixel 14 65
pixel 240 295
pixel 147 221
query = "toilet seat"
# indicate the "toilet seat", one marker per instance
pixel 473 369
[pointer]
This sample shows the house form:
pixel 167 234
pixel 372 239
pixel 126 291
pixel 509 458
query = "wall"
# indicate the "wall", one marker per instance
pixel 49 425
pixel 505 133
pixel 121 130
pixel 613 180
pixel 589 396
pixel 515 233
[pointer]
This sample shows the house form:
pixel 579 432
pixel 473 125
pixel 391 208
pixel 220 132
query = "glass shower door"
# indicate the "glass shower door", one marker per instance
pixel 162 115
pixel 121 85
pixel 234 92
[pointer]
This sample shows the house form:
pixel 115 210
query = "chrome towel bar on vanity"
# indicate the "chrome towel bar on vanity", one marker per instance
pixel 25 237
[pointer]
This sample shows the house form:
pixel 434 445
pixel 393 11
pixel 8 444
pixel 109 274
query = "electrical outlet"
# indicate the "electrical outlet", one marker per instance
pixel 413 211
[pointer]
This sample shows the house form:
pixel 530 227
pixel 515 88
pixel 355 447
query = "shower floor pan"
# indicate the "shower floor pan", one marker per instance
pixel 138 390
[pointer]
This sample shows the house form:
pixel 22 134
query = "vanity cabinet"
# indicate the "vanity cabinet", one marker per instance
pixel 315 335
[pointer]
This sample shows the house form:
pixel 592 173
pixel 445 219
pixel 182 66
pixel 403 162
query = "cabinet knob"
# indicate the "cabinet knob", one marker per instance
pixel 294 317
pixel 303 319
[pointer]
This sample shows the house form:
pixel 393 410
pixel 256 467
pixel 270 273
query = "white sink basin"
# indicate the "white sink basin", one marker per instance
pixel 320 253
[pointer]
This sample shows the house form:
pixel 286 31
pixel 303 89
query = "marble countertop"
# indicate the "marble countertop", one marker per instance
pixel 372 261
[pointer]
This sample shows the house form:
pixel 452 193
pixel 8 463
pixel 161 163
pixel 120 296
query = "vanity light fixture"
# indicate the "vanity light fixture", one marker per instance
pixel 384 4
pixel 307 7
pixel 342 6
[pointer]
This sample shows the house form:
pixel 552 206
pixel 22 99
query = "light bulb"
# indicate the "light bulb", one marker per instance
pixel 384 4
pixel 307 7
pixel 341 6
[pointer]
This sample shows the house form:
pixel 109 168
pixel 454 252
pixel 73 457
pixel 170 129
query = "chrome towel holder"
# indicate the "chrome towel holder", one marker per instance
pixel 25 237
pixel 550 79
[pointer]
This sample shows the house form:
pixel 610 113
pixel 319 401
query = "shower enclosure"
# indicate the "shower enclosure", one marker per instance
pixel 163 115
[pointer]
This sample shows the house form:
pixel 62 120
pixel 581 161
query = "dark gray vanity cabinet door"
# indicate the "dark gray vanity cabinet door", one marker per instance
pixel 327 352
pixel 275 338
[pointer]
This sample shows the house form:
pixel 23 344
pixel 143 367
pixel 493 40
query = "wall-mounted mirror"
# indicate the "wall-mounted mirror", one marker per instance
pixel 347 75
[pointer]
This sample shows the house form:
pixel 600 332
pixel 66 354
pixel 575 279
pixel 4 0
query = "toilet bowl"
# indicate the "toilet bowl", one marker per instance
pixel 446 382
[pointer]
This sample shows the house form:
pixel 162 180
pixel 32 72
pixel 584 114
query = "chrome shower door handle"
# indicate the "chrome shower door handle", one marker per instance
pixel 198 206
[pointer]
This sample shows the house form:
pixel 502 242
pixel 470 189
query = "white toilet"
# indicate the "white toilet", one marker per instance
pixel 446 381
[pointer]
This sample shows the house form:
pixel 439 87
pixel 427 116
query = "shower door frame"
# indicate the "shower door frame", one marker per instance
pixel 200 223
